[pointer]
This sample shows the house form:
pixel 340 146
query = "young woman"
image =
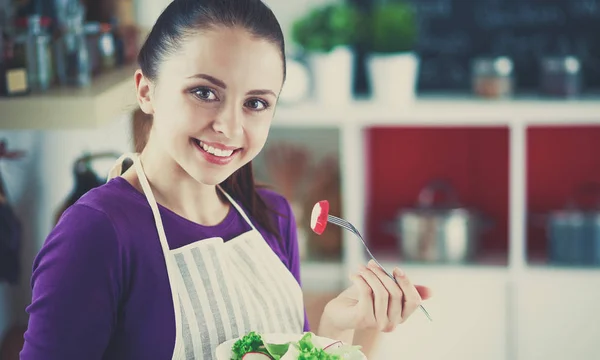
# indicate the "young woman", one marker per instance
pixel 181 252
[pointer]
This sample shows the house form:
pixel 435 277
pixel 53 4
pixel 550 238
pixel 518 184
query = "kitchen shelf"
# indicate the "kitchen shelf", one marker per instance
pixel 444 110
pixel 108 96
pixel 471 160
pixel 559 161
pixel 496 168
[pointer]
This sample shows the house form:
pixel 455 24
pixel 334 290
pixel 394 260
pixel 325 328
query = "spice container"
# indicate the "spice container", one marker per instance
pixel 492 77
pixel 560 76
pixel 106 45
pixel 38 53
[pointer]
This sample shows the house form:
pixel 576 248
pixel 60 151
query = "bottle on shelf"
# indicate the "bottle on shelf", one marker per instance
pixel 36 45
pixel 72 55
pixel 13 71
pixel 106 44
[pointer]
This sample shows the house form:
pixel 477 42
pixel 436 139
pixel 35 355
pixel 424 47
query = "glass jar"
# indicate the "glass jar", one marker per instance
pixel 560 76
pixel 73 58
pixel 492 77
pixel 39 53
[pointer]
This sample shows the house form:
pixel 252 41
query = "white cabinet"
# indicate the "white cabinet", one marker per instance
pixel 558 315
pixel 469 320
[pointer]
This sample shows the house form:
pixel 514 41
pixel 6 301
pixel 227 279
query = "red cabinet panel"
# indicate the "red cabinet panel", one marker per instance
pixel 401 161
pixel 559 159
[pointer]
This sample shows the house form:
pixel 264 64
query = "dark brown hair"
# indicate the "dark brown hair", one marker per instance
pixel 182 18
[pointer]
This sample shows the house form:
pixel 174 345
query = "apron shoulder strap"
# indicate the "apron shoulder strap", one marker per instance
pixel 237 207
pixel 117 168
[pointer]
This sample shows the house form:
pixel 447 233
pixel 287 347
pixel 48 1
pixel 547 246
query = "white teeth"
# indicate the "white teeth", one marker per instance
pixel 216 152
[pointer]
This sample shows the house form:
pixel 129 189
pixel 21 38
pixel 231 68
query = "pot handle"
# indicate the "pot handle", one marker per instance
pixel 427 194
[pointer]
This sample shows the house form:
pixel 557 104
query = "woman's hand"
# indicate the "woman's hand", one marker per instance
pixel 373 301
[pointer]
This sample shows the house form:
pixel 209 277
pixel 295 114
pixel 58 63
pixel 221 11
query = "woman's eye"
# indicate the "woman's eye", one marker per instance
pixel 205 94
pixel 257 105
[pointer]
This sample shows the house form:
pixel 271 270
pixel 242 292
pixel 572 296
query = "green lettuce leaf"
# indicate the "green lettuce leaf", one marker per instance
pixel 276 351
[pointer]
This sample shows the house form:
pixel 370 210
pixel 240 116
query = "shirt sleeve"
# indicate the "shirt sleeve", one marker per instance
pixel 293 253
pixel 76 286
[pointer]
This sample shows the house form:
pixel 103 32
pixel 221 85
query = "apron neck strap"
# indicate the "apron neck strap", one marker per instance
pixel 137 164
pixel 237 207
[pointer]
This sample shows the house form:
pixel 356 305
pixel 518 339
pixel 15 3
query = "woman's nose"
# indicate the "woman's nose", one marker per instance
pixel 229 122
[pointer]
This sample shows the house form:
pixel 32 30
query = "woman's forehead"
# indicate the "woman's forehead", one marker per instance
pixel 232 55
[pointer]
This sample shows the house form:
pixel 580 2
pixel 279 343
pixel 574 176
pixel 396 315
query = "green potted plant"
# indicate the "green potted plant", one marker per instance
pixel 327 34
pixel 391 61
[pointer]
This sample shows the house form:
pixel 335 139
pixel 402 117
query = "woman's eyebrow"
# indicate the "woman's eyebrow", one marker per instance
pixel 261 92
pixel 212 79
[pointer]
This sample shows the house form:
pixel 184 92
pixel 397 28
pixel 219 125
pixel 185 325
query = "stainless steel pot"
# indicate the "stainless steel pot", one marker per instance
pixel 446 233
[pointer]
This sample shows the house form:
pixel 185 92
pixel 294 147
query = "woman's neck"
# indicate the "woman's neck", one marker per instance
pixel 190 199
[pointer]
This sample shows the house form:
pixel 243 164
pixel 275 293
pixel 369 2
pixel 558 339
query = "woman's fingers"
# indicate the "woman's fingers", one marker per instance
pixel 365 294
pixel 380 296
pixel 395 294
pixel 412 298
pixel 386 301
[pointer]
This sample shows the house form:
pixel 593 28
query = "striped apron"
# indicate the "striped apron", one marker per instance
pixel 222 290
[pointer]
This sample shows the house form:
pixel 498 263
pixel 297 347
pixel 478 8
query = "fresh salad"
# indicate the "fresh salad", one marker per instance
pixel 253 347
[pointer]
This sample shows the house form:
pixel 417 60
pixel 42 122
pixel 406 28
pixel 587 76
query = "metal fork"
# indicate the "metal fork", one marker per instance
pixel 348 226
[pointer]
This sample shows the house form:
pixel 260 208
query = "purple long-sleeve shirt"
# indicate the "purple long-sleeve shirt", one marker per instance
pixel 100 285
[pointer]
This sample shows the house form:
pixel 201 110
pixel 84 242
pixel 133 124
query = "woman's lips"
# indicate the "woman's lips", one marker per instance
pixel 214 155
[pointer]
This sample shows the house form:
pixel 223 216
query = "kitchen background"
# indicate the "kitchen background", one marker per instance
pixel 459 136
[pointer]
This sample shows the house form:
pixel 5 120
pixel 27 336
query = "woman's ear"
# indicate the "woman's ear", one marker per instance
pixel 143 88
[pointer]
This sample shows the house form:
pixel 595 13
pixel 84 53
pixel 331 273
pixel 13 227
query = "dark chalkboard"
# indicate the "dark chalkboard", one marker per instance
pixel 452 32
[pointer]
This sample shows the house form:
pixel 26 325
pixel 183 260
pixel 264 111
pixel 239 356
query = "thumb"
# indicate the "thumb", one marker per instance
pixel 424 291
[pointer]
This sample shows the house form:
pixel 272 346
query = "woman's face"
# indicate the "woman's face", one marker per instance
pixel 213 101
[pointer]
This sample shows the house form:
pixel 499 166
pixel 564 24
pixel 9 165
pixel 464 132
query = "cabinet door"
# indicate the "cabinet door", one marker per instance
pixel 558 313
pixel 469 320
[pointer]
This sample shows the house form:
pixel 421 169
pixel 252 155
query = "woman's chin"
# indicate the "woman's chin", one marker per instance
pixel 210 176
pixel 211 179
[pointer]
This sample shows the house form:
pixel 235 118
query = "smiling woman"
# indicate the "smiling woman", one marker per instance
pixel 181 252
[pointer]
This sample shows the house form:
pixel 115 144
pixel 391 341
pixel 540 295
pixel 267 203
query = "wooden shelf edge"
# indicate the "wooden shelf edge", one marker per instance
pixel 108 96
